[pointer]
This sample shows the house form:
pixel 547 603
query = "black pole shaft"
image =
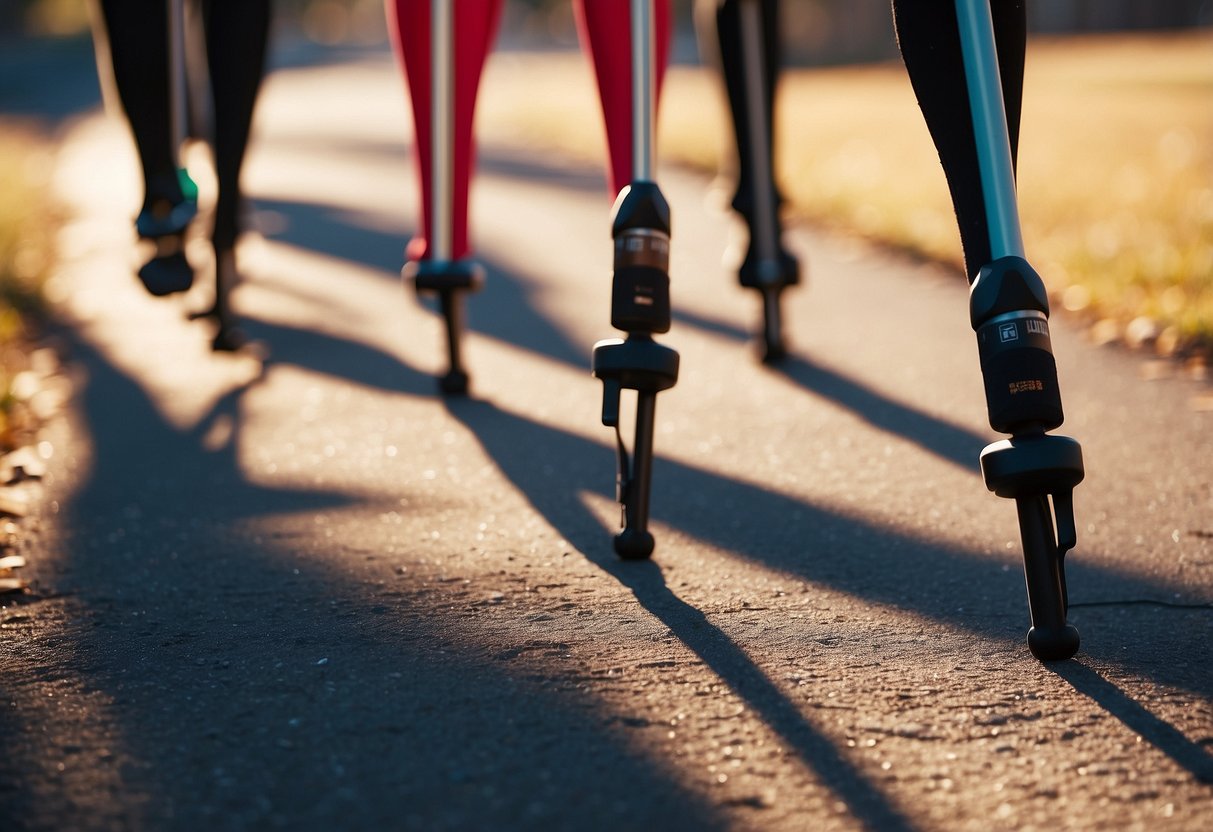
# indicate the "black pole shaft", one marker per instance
pixel 637 508
pixel 758 103
pixel 452 312
pixel 1040 563
pixel 772 319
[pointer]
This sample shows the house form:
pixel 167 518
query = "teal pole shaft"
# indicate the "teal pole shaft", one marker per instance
pixel 990 127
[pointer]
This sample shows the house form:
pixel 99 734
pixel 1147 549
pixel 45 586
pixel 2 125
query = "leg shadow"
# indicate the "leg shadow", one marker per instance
pixel 505 309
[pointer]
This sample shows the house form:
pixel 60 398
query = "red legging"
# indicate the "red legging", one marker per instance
pixel 474 29
pixel 603 26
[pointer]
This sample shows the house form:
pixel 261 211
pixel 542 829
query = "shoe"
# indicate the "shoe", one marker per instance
pixel 164 216
pixel 161 218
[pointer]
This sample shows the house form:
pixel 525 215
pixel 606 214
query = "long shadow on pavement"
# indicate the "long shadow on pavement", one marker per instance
pixel 848 554
pixel 509 314
pixel 1158 732
pixel 253 685
pixel 761 695
pixel 881 566
pixel 948 442
pixel 503 309
pixel 256 633
pixel 514 444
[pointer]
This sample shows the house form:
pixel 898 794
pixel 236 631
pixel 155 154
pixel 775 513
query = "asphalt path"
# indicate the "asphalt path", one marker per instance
pixel 311 593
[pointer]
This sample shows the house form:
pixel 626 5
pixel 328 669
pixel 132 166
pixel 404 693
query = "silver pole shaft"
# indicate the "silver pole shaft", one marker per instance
pixel 990 127
pixel 442 127
pixel 176 70
pixel 643 86
pixel 756 112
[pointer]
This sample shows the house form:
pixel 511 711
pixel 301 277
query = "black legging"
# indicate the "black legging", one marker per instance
pixel 728 27
pixel 928 34
pixel 236 35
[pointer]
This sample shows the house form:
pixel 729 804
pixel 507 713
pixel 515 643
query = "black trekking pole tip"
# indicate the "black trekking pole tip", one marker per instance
pixel 633 545
pixel 1053 645
pixel 454 383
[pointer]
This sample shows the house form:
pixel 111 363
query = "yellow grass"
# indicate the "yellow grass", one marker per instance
pixel 1116 161
pixel 26 232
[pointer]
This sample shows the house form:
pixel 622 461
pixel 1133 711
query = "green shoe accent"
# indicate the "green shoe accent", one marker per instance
pixel 189 188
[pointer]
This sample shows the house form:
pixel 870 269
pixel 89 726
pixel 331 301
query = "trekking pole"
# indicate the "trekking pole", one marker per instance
pixel 179 97
pixel 640 300
pixel 438 273
pixel 177 82
pixel 1009 309
pixel 748 33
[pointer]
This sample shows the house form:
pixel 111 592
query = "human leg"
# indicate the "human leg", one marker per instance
pixel 965 60
pixel 748 35
pixel 475 27
pixel 237 36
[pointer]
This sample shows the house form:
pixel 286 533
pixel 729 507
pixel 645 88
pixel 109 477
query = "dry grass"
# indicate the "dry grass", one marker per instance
pixel 27 226
pixel 1116 162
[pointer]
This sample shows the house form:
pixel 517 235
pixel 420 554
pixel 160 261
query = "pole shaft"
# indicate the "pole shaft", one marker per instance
pixel 642 462
pixel 643 86
pixel 757 118
pixel 990 127
pixel 176 68
pixel 1044 581
pixel 441 127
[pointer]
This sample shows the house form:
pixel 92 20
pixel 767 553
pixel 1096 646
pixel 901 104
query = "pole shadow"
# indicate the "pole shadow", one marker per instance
pixel 504 309
pixel 950 443
pixel 1190 756
pixel 718 652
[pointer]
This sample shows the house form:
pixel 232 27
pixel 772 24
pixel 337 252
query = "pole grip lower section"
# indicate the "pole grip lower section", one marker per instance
pixel 640 286
pixel 1019 372
pixel 1009 310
